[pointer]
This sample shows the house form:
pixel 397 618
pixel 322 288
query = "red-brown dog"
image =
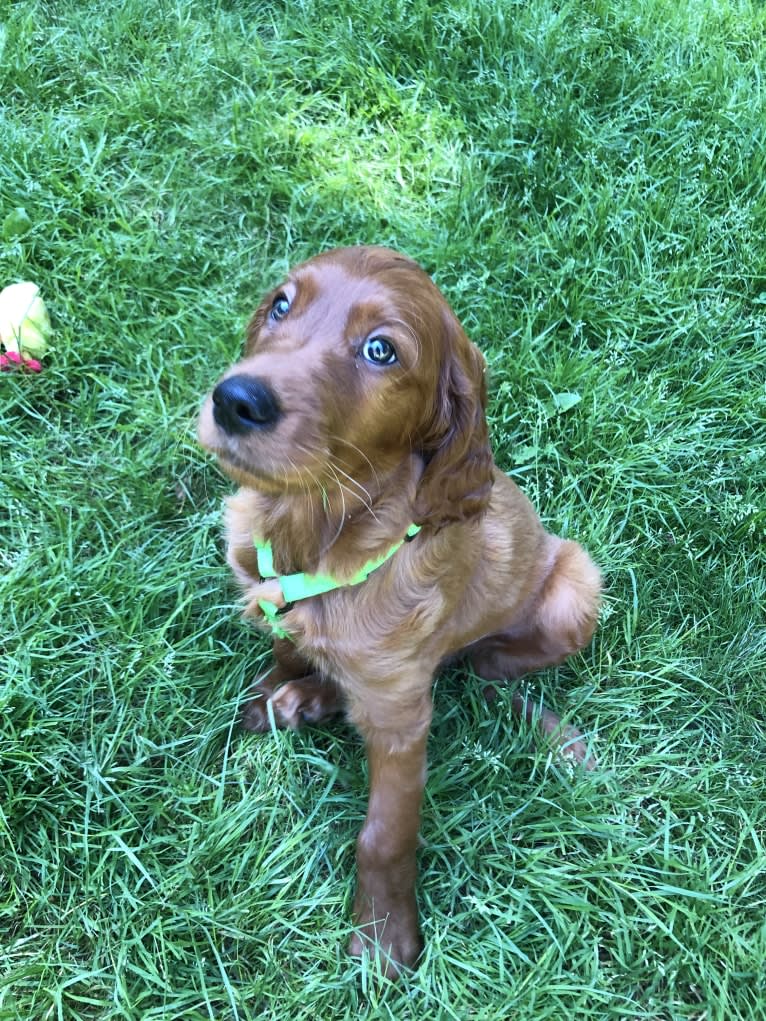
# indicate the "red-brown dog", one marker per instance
pixel 356 413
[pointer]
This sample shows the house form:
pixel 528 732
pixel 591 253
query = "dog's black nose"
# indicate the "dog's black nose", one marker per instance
pixel 243 403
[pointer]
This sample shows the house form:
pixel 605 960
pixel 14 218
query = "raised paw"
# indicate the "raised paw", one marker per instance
pixel 306 700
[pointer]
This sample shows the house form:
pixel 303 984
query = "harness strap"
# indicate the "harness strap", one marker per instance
pixel 302 586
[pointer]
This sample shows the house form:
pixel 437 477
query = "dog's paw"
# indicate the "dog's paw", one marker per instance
pixel 307 700
pixel 388 931
pixel 395 948
pixel 255 714
pixel 566 740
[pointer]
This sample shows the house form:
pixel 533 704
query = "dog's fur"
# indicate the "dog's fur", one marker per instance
pixel 334 464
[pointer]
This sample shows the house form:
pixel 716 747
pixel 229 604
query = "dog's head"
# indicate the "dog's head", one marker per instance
pixel 352 364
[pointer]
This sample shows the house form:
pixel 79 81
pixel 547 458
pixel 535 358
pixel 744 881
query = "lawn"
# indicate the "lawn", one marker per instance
pixel 585 181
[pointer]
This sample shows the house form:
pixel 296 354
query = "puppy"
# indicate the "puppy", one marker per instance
pixel 374 536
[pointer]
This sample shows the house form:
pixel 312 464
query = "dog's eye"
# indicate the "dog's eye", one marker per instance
pixel 279 307
pixel 379 351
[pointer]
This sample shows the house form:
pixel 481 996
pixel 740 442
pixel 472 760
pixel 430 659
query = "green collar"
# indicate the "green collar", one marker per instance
pixel 303 586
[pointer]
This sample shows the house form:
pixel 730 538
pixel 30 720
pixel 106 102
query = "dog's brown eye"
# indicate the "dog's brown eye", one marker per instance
pixel 280 307
pixel 379 351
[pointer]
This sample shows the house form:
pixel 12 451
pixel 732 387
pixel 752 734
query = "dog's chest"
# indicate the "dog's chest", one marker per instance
pixel 373 630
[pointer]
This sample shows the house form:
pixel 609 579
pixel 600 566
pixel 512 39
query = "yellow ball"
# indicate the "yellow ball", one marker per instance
pixel 24 324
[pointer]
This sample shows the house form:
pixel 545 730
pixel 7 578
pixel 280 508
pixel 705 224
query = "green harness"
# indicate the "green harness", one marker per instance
pixel 303 586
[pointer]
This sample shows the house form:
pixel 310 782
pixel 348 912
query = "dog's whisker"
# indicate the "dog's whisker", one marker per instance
pixel 341 519
pixel 366 503
pixel 330 465
pixel 365 496
pixel 348 443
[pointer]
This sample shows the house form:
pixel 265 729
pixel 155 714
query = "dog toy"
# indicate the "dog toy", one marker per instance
pixel 24 327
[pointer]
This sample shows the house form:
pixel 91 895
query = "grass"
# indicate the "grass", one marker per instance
pixel 585 181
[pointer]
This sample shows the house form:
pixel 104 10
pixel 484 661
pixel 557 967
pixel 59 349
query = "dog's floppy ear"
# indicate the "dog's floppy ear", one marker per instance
pixel 458 476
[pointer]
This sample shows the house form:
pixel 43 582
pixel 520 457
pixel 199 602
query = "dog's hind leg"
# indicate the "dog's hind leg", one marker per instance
pixel 561 621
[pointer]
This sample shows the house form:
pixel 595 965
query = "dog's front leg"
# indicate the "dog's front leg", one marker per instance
pixel 385 906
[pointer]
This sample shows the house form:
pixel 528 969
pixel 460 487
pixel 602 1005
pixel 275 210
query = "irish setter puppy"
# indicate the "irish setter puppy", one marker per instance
pixel 356 414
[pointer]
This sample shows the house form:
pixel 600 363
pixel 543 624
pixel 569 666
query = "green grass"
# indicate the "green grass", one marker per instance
pixel 586 183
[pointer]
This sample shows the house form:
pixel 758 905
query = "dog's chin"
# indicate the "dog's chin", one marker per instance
pixel 279 480
pixel 250 476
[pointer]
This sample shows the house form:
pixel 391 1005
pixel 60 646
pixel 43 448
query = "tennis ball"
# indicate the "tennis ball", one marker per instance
pixel 24 324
